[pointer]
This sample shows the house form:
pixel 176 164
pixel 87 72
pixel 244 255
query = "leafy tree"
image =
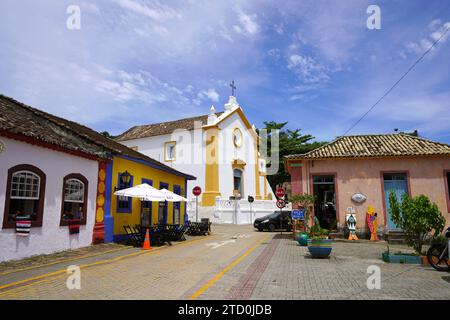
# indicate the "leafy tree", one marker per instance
pixel 107 134
pixel 417 217
pixel 290 142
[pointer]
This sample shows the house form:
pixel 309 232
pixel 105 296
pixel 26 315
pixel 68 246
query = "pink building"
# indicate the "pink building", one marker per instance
pixel 370 166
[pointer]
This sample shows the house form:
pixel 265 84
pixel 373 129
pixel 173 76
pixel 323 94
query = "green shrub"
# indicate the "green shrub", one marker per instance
pixel 304 201
pixel 417 217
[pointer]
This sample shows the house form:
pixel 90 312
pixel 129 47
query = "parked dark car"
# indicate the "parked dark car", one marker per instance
pixel 274 221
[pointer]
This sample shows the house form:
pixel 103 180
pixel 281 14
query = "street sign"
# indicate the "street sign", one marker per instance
pixel 281 203
pixel 279 193
pixel 298 214
pixel 251 199
pixel 197 191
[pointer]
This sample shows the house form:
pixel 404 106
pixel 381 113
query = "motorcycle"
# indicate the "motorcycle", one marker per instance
pixel 438 254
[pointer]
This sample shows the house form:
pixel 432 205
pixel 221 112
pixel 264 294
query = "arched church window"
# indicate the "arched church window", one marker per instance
pixel 238 177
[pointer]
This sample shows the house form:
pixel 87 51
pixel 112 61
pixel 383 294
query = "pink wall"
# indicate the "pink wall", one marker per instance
pixel 426 176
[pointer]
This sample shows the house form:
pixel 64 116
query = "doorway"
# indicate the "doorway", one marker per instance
pixel 176 207
pixel 162 207
pixel 398 183
pixel 324 189
pixel 146 208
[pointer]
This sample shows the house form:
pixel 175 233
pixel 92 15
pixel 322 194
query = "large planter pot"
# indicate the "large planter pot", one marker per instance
pixel 302 239
pixel 402 258
pixel 320 248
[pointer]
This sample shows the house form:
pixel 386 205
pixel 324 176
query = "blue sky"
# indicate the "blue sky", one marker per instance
pixel 312 63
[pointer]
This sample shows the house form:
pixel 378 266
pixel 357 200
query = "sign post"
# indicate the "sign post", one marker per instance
pixel 297 214
pixel 196 191
pixel 281 203
pixel 250 201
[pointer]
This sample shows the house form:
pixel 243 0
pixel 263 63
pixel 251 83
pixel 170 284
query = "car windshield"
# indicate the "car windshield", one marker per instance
pixel 271 216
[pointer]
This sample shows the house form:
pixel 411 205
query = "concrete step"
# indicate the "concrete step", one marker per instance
pixel 396 237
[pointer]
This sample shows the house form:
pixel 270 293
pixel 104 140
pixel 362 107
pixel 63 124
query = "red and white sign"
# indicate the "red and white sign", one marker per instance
pixel 281 203
pixel 197 191
pixel 279 193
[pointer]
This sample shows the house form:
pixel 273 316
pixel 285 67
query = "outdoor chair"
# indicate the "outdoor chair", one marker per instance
pixel 132 237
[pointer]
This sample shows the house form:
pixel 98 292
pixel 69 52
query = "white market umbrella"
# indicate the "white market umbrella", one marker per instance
pixel 173 197
pixel 143 191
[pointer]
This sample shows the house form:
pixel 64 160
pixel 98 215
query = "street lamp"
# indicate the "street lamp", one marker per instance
pixel 125 179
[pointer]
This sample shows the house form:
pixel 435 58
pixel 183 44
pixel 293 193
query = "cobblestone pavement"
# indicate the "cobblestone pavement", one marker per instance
pixel 161 273
pixel 235 262
pixel 292 274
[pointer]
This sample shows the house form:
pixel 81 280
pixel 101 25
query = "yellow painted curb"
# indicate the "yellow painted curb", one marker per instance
pixel 62 272
pixel 62 261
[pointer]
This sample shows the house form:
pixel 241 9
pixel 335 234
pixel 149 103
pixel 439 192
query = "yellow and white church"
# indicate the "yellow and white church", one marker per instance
pixel 221 150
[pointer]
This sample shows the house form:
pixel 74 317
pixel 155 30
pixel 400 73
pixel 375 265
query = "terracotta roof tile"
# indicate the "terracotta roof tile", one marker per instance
pixel 157 129
pixel 18 118
pixel 381 145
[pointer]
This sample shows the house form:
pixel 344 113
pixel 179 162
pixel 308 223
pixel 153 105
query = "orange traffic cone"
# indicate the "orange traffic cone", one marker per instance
pixel 147 245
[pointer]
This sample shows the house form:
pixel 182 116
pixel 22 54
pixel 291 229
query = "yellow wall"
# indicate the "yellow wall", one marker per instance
pixel 141 171
pixel 211 168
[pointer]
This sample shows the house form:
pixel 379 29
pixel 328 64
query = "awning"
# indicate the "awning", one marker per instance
pixel 143 191
pixel 173 197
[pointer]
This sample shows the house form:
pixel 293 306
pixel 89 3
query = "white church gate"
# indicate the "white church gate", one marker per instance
pixel 234 211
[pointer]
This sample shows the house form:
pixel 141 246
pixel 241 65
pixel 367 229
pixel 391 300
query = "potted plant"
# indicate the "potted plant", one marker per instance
pixel 319 245
pixel 303 201
pixel 300 234
pixel 420 220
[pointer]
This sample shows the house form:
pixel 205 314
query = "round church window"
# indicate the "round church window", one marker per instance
pixel 237 137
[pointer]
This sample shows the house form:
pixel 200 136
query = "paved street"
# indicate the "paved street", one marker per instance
pixel 235 262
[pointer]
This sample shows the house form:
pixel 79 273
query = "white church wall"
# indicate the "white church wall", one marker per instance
pixel 188 158
pixel 246 153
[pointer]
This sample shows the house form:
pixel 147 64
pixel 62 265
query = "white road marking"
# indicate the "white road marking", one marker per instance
pixel 215 245
pixel 241 236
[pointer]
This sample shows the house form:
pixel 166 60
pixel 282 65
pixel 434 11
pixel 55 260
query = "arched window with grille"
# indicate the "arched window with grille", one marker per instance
pixel 238 182
pixel 74 198
pixel 25 192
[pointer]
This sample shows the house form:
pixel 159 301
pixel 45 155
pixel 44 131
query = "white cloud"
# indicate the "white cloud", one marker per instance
pixel 307 69
pixel 248 24
pixel 153 10
pixel 210 94
pixel 436 31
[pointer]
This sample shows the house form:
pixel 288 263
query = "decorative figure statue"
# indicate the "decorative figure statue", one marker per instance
pixel 371 218
pixel 351 223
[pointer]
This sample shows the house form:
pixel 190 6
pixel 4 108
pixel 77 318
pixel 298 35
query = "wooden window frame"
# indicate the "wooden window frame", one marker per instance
pixel 166 144
pixel 40 211
pixel 130 199
pixel 85 181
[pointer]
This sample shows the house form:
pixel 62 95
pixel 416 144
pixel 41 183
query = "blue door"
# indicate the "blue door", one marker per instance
pixel 394 182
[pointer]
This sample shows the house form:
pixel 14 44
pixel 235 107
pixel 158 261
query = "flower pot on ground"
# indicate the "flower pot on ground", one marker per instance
pixel 320 247
pixel 302 239
pixel 403 258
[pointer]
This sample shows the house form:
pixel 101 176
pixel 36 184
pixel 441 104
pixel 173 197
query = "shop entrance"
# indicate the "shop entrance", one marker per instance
pixel 324 189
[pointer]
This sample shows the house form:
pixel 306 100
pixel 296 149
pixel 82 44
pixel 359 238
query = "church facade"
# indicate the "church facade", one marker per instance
pixel 220 149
